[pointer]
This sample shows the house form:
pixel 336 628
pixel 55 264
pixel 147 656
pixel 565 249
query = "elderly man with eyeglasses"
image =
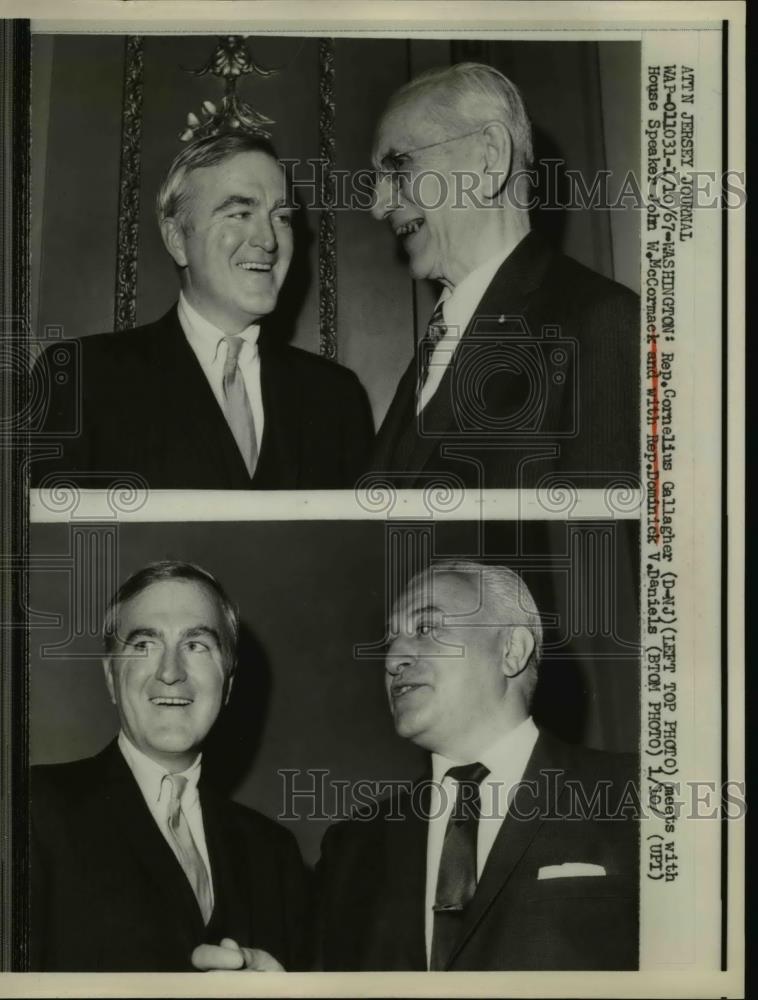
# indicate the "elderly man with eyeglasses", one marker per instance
pixel 529 365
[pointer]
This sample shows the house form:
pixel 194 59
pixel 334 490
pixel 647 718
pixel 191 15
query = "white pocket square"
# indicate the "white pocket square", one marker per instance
pixel 570 869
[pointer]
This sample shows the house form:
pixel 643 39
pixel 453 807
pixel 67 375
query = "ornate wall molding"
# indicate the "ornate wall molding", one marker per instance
pixel 327 230
pixel 230 61
pixel 127 240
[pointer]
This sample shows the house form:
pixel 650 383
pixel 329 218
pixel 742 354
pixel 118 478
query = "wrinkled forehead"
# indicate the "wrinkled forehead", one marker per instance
pixel 247 172
pixel 460 597
pixel 176 601
pixel 406 125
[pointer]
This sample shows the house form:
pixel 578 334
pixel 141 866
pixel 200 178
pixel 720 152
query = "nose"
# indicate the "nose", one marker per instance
pixel 171 667
pixel 263 235
pixel 399 656
pixel 384 196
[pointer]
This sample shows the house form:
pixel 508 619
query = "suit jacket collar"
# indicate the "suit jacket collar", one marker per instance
pixel 280 450
pixel 539 794
pixel 134 830
pixel 398 922
pixel 232 909
pixel 280 456
pixel 400 900
pixel 508 294
pixel 126 813
pixel 201 418
pixel 395 928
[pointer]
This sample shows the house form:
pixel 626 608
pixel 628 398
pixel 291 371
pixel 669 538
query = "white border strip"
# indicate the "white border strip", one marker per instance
pixel 578 985
pixel 559 504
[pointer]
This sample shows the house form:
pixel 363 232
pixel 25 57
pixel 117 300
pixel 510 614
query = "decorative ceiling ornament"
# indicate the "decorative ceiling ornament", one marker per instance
pixel 231 60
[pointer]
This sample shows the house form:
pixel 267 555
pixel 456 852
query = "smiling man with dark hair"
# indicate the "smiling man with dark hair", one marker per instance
pixel 203 398
pixel 135 859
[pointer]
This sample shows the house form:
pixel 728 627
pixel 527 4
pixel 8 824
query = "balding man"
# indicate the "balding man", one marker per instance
pixel 530 362
pixel 517 851
pixel 204 398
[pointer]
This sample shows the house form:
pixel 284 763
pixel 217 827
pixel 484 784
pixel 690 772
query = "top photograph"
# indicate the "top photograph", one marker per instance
pixel 300 263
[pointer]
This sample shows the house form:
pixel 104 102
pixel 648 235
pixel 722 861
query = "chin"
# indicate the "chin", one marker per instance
pixel 409 727
pixel 255 311
pixel 182 742
pixel 418 270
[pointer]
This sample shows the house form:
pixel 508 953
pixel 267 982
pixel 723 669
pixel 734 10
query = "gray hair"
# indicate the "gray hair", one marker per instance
pixel 506 594
pixel 173 570
pixel 470 94
pixel 207 152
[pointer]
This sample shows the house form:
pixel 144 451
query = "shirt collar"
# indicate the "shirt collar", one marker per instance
pixel 203 336
pixel 149 775
pixel 460 302
pixel 506 759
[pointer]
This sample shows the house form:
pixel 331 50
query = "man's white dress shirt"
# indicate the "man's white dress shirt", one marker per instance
pixel 149 777
pixel 458 307
pixel 506 760
pixel 209 346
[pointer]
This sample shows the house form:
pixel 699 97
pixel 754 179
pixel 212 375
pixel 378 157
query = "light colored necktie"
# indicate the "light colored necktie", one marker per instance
pixel 189 856
pixel 237 409
pixel 435 331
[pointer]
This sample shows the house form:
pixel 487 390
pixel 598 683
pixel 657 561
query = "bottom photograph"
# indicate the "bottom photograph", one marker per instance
pixel 334 746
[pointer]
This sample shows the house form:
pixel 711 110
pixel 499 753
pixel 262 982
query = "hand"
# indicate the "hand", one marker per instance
pixel 229 955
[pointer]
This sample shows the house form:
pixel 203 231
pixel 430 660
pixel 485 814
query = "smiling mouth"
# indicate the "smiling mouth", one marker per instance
pixel 253 265
pixel 409 228
pixel 400 690
pixel 171 702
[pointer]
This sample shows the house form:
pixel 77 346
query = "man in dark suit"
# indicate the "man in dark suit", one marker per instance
pixel 517 851
pixel 135 860
pixel 530 363
pixel 202 398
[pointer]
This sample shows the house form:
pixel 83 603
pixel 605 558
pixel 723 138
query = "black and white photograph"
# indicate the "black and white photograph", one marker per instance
pixel 327 261
pixel 372 548
pixel 335 708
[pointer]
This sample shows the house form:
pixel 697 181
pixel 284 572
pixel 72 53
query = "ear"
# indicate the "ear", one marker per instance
pixel 174 241
pixel 518 647
pixel 229 682
pixel 498 154
pixel 108 670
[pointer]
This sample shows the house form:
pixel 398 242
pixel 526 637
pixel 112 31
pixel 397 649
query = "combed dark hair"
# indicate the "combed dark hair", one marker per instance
pixel 199 153
pixel 169 569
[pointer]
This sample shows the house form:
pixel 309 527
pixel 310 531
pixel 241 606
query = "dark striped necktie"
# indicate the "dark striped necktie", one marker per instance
pixel 456 879
pixel 435 331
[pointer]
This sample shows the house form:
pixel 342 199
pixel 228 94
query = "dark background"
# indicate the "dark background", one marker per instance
pixel 309 592
pixel 583 98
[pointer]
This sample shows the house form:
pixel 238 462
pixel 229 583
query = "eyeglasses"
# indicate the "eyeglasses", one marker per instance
pixel 391 165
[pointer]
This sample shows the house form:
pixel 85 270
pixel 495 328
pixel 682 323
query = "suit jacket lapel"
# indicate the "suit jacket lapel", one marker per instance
pixel 396 928
pixel 279 459
pixel 537 797
pixel 135 830
pixel 189 396
pixel 232 907
pixel 507 295
pixel 398 423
